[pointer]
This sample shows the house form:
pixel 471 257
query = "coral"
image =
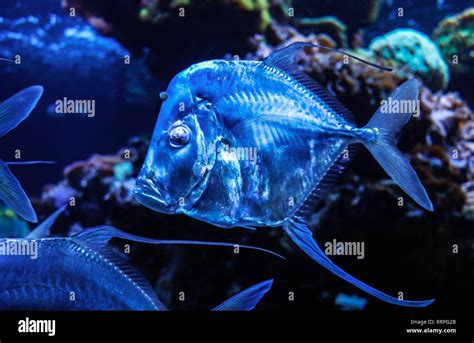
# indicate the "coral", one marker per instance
pixel 455 37
pixel 414 50
pixel 329 25
pixel 94 188
pixel 451 124
pixel 157 11
pixel 123 170
pixel 354 14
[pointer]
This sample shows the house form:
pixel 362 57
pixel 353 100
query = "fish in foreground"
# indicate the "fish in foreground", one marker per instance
pixel 217 111
pixel 12 112
pixel 83 273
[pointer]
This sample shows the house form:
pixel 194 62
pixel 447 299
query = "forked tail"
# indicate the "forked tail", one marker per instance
pixel 387 122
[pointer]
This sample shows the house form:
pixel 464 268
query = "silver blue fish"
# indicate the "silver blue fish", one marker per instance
pixel 83 273
pixel 12 112
pixel 259 143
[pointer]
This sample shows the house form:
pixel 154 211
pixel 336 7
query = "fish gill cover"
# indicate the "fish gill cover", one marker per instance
pixel 182 96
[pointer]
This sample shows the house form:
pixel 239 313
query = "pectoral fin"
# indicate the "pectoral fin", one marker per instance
pixel 14 196
pixel 17 108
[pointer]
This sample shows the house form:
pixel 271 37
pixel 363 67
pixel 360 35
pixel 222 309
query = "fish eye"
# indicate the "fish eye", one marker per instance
pixel 179 136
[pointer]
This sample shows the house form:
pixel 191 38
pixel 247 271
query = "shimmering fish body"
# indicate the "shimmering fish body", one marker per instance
pixel 257 144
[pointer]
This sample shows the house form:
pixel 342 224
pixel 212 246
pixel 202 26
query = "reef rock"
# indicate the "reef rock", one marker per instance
pixel 354 13
pixel 414 50
pixel 455 37
pixel 329 25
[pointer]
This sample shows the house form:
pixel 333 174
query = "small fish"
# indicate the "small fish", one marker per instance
pixel 12 112
pixel 217 114
pixel 82 272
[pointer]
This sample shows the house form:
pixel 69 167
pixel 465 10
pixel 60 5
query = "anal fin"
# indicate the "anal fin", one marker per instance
pixel 306 209
pixel 303 237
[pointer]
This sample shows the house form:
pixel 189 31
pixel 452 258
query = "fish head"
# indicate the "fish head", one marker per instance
pixel 181 152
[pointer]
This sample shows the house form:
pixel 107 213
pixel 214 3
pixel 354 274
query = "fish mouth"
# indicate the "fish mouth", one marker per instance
pixel 147 194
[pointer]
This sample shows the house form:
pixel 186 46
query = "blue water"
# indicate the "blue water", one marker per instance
pixel 69 59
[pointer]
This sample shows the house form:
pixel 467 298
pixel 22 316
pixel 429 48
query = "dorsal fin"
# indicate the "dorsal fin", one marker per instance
pixel 288 55
pixel 304 212
pixel 286 59
pixel 100 235
pixel 96 239
pixel 132 274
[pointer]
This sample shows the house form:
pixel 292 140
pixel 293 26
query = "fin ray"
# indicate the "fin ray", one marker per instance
pixel 17 108
pixel 388 127
pixel 302 236
pixel 100 235
pixel 247 299
pixel 306 209
pixel 14 196
pixel 132 274
pixel 286 59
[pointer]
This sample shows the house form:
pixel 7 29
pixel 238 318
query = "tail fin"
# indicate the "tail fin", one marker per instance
pixel 384 149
